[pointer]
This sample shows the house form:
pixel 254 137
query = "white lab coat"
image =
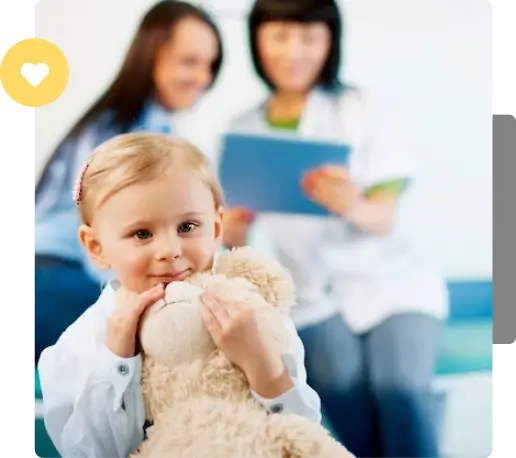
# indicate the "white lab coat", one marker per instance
pixel 337 268
pixel 93 405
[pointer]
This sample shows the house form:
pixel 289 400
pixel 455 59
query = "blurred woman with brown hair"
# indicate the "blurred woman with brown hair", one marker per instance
pixel 175 56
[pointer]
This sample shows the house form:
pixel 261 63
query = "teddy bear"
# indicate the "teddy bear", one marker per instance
pixel 198 403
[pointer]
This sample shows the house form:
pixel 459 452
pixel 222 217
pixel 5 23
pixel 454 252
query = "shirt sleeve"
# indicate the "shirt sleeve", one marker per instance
pixel 395 187
pixel 301 399
pixel 381 154
pixel 92 398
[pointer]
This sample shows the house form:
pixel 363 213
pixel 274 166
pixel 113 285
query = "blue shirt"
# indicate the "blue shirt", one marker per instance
pixel 57 218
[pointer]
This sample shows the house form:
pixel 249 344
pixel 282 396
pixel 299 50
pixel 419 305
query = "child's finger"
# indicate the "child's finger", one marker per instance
pixel 216 308
pixel 149 297
pixel 211 322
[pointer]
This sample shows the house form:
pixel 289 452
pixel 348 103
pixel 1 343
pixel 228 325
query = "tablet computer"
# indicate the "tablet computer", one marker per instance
pixel 263 173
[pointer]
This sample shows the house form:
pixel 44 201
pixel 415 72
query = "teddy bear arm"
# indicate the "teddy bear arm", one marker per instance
pixel 302 438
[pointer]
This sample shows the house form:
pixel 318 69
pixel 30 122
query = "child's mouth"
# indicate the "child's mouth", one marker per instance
pixel 172 277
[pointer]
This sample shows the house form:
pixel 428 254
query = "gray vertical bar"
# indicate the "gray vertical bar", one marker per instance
pixel 504 220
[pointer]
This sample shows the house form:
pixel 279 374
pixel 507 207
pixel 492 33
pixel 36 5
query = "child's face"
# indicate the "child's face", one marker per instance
pixel 156 232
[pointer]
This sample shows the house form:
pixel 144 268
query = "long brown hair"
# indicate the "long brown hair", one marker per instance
pixel 134 85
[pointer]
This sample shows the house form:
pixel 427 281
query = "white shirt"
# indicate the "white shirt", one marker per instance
pixel 336 267
pixel 93 405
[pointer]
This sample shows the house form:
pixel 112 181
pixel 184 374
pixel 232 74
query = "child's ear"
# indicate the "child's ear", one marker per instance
pixel 218 229
pixel 92 246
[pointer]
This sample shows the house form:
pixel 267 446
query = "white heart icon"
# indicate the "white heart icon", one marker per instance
pixel 34 74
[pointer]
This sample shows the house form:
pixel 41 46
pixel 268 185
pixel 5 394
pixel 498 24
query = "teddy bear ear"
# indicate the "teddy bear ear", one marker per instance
pixel 274 282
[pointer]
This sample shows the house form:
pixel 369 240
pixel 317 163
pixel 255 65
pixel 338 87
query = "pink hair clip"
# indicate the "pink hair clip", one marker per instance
pixel 77 190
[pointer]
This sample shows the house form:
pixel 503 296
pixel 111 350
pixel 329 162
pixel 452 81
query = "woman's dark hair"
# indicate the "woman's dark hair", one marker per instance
pixel 134 84
pixel 132 87
pixel 302 11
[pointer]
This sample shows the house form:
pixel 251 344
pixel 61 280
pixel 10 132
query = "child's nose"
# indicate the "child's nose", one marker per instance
pixel 169 248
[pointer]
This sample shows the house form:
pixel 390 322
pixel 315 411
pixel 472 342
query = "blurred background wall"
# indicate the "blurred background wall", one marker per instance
pixel 429 60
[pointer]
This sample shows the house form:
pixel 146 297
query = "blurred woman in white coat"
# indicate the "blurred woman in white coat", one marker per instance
pixel 369 313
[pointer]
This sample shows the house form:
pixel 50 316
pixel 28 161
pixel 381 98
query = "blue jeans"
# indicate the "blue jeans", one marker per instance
pixel 375 387
pixel 63 292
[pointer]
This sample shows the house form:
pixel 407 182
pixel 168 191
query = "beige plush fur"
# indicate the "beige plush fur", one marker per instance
pixel 200 404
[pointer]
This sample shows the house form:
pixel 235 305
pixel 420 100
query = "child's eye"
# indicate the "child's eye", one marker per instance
pixel 186 227
pixel 143 234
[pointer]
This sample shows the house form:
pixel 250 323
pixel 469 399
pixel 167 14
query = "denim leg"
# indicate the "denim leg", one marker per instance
pixel 63 293
pixel 401 353
pixel 335 368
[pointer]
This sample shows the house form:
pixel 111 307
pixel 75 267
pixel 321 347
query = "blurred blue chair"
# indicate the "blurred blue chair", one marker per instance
pixel 465 363
pixel 467 343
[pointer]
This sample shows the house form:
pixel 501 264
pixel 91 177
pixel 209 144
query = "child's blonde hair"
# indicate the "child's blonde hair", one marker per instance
pixel 136 158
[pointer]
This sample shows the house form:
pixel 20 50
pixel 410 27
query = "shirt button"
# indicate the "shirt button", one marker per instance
pixel 123 369
pixel 277 408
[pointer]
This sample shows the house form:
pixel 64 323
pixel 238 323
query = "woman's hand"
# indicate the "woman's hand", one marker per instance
pixel 332 188
pixel 239 333
pixel 236 223
pixel 124 321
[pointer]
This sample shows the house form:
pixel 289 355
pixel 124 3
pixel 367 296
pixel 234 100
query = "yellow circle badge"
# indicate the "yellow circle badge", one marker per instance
pixel 34 72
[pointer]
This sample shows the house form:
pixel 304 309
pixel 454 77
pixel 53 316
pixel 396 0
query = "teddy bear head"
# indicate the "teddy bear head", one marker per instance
pixel 172 330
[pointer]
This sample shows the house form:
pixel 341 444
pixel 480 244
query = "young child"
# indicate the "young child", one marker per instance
pixel 151 211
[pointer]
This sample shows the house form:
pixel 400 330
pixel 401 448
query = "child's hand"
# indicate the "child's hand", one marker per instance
pixel 236 224
pixel 238 332
pixel 332 188
pixel 123 322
